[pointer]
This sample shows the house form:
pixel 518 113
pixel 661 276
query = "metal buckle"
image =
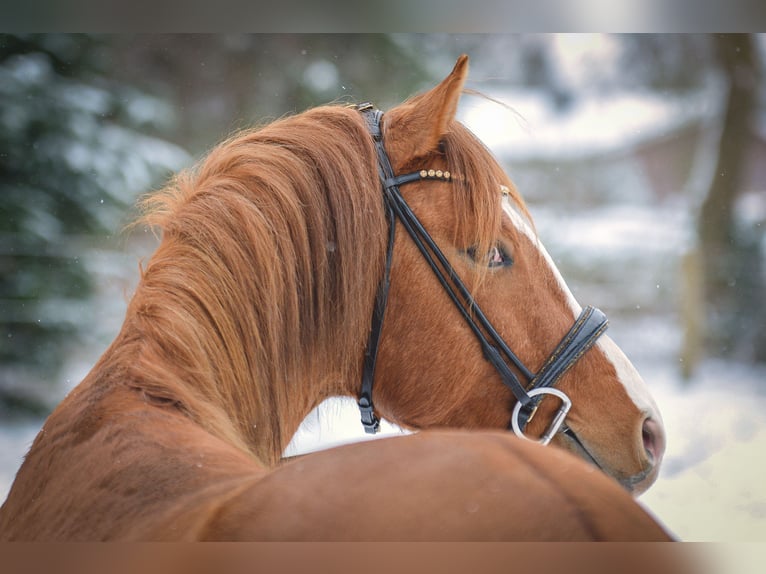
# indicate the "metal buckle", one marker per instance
pixel 558 418
pixel 370 422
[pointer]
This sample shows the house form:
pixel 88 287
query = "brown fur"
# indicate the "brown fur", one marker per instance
pixel 256 306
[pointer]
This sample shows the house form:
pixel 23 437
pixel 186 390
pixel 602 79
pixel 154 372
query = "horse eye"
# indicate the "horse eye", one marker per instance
pixel 497 257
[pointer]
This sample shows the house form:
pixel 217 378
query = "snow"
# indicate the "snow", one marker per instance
pixel 532 128
pixel 15 440
pixel 712 486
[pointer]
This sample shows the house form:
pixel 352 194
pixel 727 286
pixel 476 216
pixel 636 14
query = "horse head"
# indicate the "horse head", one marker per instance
pixel 257 304
pixel 431 370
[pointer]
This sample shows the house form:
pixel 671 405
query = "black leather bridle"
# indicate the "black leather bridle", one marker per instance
pixel 588 327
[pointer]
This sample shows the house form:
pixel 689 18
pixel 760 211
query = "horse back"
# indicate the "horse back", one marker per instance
pixel 436 485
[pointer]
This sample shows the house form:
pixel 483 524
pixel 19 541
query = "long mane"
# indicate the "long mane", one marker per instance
pixel 271 252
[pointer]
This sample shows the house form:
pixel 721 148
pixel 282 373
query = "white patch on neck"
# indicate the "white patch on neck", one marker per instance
pixel 626 372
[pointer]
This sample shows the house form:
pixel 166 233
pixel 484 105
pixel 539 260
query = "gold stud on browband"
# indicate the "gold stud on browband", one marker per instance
pixel 505 191
pixel 435 174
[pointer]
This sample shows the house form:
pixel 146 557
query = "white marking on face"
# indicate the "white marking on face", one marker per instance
pixel 626 373
pixel 630 378
pixel 522 225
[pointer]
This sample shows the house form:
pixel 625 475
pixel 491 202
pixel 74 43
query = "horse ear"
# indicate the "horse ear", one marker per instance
pixel 419 124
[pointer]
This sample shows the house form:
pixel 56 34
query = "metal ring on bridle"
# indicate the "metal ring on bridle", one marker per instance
pixel 557 421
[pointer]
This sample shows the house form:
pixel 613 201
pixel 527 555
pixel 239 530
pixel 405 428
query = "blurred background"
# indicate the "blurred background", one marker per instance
pixel 642 159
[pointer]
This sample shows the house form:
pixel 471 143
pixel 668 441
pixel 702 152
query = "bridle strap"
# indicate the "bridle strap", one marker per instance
pixel 370 421
pixel 460 296
pixel 588 327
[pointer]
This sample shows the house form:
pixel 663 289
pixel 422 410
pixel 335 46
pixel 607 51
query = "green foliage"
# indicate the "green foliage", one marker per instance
pixel 223 82
pixel 68 168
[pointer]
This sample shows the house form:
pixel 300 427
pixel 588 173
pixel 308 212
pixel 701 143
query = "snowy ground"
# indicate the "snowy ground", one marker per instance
pixel 713 482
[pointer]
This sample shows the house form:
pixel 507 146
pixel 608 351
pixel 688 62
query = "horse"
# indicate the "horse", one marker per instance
pixel 280 281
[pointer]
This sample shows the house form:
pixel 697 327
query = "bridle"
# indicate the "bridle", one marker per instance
pixel 588 327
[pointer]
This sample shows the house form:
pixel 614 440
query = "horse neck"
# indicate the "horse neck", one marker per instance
pixel 250 315
pixel 207 357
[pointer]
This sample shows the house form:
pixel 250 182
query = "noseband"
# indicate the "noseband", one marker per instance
pixel 588 327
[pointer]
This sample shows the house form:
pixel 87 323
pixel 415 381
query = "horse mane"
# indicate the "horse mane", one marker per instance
pixel 272 249
pixel 268 266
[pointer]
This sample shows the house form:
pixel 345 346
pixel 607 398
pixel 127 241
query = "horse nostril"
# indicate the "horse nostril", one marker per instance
pixel 654 440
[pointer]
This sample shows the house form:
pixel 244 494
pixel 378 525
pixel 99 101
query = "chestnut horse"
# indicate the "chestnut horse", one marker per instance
pixel 256 306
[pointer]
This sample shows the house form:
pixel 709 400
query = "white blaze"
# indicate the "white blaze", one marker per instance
pixel 626 372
